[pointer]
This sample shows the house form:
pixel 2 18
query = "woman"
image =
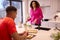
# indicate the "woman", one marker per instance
pixel 35 14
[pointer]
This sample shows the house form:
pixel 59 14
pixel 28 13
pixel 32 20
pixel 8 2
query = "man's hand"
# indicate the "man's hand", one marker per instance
pixel 20 36
pixel 24 35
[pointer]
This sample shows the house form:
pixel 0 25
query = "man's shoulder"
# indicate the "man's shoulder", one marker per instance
pixel 7 19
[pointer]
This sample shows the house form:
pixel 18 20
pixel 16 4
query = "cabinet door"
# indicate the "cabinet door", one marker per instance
pixel 58 5
pixel 44 2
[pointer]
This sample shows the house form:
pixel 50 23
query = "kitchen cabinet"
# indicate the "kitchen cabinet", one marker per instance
pixel 58 9
pixel 44 3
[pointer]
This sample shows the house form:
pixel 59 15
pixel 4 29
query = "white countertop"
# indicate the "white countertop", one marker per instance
pixel 44 35
pixel 41 35
pixel 54 21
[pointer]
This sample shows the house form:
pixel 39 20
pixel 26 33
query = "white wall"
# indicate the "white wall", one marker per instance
pixel 25 10
pixel 53 7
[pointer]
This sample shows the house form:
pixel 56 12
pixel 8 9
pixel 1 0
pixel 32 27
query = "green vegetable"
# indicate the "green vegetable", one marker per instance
pixel 56 36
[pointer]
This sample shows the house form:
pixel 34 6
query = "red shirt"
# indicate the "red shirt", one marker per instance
pixel 7 28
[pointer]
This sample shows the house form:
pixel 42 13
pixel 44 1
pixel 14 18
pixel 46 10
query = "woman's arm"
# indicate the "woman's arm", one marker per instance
pixel 30 15
pixel 40 14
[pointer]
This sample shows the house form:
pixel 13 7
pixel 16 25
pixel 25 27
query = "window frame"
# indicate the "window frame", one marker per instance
pixel 21 9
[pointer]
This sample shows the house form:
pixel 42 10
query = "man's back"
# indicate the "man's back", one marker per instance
pixel 7 27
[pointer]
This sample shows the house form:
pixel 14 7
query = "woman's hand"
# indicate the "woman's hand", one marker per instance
pixel 34 21
pixel 28 19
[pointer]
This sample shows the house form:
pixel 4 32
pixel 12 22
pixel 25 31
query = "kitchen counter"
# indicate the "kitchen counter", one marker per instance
pixel 50 24
pixel 41 35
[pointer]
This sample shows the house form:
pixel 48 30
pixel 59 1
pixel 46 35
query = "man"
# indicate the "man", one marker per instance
pixel 8 28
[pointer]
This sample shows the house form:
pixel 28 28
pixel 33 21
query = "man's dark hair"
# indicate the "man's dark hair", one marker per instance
pixel 37 4
pixel 11 8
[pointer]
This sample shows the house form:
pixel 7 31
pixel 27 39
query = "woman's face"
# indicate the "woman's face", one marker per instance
pixel 33 4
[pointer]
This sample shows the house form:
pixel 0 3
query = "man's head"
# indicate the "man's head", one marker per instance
pixel 11 12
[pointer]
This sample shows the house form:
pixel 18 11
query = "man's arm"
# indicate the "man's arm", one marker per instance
pixel 16 36
pixel 12 30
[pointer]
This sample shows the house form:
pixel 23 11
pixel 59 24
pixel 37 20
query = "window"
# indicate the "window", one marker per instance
pixel 18 5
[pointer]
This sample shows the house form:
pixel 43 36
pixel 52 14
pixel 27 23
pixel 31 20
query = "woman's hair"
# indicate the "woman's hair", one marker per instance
pixel 37 4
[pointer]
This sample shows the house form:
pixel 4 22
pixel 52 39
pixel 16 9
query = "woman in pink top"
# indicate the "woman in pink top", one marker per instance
pixel 35 14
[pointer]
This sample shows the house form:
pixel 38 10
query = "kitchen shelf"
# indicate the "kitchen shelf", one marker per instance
pixel 45 6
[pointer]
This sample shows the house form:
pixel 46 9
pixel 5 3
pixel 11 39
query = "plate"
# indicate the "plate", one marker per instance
pixel 30 36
